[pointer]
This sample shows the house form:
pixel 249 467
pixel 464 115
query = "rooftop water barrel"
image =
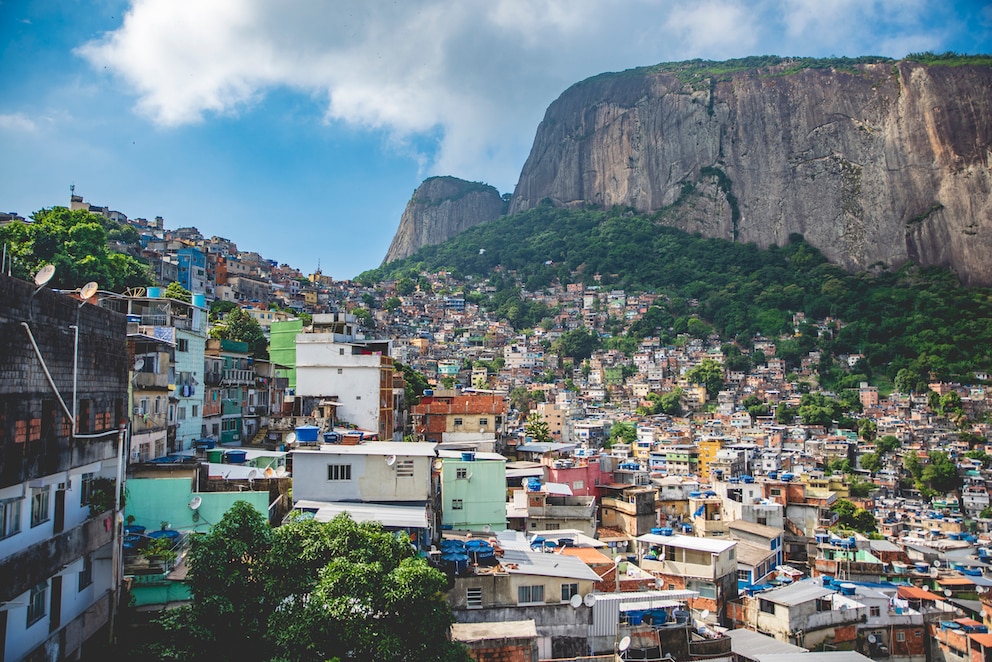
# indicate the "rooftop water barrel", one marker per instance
pixel 747 479
pixel 635 617
pixel 428 392
pixel 656 531
pixel 922 567
pixel 169 534
pixel 787 477
pixel 828 580
pixel 307 433
pixel 200 300
pixel 332 438
pixel 666 531
pixel 694 494
pixel 216 456
pixel 681 616
pixel 204 444
pixel 468 456
pixel 773 475
pixel 237 457
pixel 848 589
pixel 154 292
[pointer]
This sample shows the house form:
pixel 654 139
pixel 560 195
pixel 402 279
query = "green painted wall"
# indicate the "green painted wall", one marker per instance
pixel 155 500
pixel 482 492
pixel 282 347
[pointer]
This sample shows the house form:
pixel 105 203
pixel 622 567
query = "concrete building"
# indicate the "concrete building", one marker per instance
pixel 473 491
pixel 62 404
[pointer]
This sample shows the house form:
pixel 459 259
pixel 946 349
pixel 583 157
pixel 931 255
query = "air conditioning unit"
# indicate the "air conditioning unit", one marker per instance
pixel 137 411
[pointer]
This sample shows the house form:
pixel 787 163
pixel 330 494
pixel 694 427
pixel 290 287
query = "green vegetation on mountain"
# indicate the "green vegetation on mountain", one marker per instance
pixel 912 323
pixel 82 246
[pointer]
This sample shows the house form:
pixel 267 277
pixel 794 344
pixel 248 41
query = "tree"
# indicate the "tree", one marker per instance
pixel 853 517
pixel 241 326
pixel 871 462
pixel 709 373
pixel 886 444
pixel 307 591
pixel 785 414
pixel 867 429
pixel 578 344
pixel 175 290
pixel 364 316
pixel 940 475
pixel 537 428
pixel 624 432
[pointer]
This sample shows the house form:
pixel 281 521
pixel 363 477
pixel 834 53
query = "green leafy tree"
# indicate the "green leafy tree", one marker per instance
pixel 867 429
pixel 624 432
pixel 709 373
pixel 364 316
pixel 537 428
pixel 241 326
pixel 854 518
pixel 578 344
pixel 871 462
pixel 785 414
pixel 940 475
pixel 75 242
pixel 175 290
pixel 886 444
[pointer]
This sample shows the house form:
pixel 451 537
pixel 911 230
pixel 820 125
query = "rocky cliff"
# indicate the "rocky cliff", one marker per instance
pixel 440 208
pixel 873 162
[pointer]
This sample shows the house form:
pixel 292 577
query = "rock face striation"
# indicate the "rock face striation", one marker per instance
pixel 875 163
pixel 442 207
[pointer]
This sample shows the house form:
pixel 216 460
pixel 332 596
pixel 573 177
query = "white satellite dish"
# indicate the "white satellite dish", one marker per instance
pixel 139 364
pixel 589 600
pixel 936 564
pixel 195 502
pixel 281 472
pixel 487 528
pixel 88 290
pixel 872 639
pixel 948 593
pixel 291 437
pixel 390 460
pixel 575 601
pixel 624 644
pixel 44 275
pixel 925 588
pixel 706 614
pixel 253 474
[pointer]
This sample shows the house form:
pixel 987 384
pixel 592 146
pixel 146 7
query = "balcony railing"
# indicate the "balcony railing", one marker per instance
pixel 213 378
pixel 233 376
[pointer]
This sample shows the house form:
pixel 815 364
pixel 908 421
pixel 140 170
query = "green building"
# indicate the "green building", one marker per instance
pixel 282 347
pixel 473 491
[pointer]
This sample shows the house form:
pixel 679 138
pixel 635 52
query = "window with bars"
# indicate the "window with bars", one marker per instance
pixel 473 598
pixel 338 472
pixel 86 574
pixel 457 504
pixel 404 468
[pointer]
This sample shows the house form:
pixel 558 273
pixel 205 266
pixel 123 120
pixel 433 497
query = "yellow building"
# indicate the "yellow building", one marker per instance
pixel 708 448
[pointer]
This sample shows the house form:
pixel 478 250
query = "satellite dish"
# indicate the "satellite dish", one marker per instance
pixel 44 275
pixel 575 601
pixel 139 364
pixel 706 614
pixel 281 472
pixel 936 564
pixel 195 502
pixel 947 592
pixel 589 600
pixel 487 528
pixel 291 437
pixel 390 460
pixel 89 289
pixel 624 644
pixel 269 473
pixel 871 639
pixel 253 474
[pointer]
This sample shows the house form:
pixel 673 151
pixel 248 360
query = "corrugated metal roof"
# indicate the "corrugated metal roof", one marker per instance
pixel 797 593
pixel 607 607
pixel 711 545
pixel 753 645
pixel 546 565
pixel 403 517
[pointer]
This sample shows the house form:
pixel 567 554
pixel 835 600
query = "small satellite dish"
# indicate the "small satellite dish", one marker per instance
pixel 390 460
pixel 936 564
pixel 281 472
pixel 253 474
pixel 925 588
pixel 269 473
pixel 624 644
pixel 872 639
pixel 575 601
pixel 589 600
pixel 89 289
pixel 948 593
pixel 44 275
pixel 291 438
pixel 195 502
pixel 487 528
pixel 704 615
pixel 139 364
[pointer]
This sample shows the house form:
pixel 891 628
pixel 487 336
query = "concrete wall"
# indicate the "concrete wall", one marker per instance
pixel 318 361
pixel 482 493
pixel 372 479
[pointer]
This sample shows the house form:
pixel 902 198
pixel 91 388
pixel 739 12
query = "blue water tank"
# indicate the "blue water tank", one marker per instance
pixel 236 457
pixel 468 456
pixel 154 292
pixel 787 477
pixel 773 475
pixel 656 531
pixel 666 531
pixel 747 479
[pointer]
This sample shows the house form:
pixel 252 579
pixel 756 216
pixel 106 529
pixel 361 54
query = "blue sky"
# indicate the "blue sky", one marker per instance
pixel 300 130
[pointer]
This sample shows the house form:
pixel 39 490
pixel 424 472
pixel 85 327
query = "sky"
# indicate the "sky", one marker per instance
pixel 301 129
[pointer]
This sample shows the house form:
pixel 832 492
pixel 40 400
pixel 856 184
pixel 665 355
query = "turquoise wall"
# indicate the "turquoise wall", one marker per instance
pixel 483 494
pixel 155 500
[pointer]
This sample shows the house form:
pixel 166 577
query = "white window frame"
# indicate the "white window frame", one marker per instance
pixel 530 595
pixel 10 517
pixel 37 603
pixel 473 597
pixel 338 472
pixel 41 498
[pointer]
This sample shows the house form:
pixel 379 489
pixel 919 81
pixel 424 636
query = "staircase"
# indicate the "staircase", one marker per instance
pixel 261 437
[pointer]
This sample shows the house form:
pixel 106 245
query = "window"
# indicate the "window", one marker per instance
pixel 900 636
pixel 457 504
pixel 767 606
pixel 85 489
pixel 874 611
pixel 473 598
pixel 182 345
pixel 552 526
pixel 733 553
pixel 36 603
pixel 340 371
pixel 340 353
pixel 763 521
pixel 706 589
pixel 461 473
pixel 86 574
pixel 143 406
pixel 776 491
pixel 530 595
pixel 578 484
pixel 182 413
pixel 822 604
pixel 10 517
pixel 39 504
pixel 744 576
pixel 458 421
pixel 568 590
pixel 483 421
pixel 404 469
pixel 338 472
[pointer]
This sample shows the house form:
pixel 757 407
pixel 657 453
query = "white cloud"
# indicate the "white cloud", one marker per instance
pixel 18 122
pixel 478 73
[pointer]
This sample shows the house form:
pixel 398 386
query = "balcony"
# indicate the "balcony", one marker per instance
pixel 151 380
pixel 40 561
pixel 238 377
pixel 256 410
pixel 213 377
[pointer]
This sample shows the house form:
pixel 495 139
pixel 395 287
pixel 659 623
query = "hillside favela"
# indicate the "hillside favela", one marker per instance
pixel 711 383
